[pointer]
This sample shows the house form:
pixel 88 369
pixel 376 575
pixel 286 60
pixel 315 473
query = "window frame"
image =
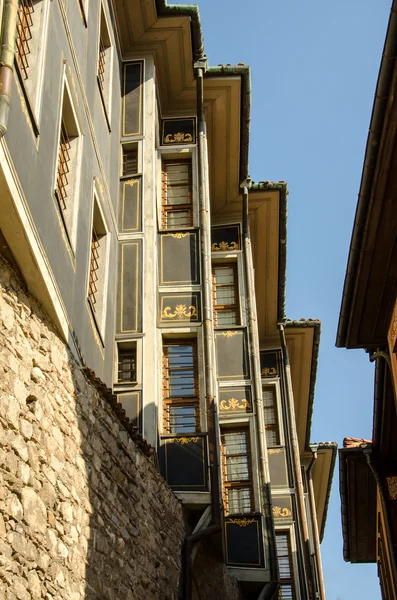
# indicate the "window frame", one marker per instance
pixel 240 484
pixel 278 410
pixel 97 217
pixel 175 208
pixel 292 580
pixel 105 57
pixel 236 286
pixel 67 112
pixel 191 400
pixel 33 80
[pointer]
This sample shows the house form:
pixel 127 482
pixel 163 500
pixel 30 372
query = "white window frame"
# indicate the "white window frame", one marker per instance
pixel 74 185
pixel 99 316
pixel 294 558
pixel 33 85
pixel 224 258
pixel 276 385
pixel 189 153
pixel 105 91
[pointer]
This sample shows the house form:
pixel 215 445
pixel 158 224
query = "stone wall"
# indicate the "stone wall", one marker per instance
pixel 83 512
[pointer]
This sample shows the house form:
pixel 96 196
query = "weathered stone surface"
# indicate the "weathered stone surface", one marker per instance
pixel 81 508
pixel 35 513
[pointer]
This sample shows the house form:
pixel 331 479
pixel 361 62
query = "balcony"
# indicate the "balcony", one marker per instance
pixel 243 536
pixel 184 462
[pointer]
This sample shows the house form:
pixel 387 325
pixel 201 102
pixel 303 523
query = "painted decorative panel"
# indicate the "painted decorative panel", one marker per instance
pixel 269 364
pixel 232 354
pixel 278 467
pixel 131 402
pixel 132 98
pixel 129 311
pixel 180 308
pixel 225 238
pixel 282 509
pixel 178 131
pixel 179 258
pixel 234 400
pixel 244 541
pixel 130 205
pixel 184 462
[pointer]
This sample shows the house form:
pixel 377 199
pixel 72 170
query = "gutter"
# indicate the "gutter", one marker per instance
pixel 185 10
pixel 376 127
pixel 7 54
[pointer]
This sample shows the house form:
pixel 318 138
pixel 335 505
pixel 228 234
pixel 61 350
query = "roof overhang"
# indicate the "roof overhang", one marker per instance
pixel 358 498
pixel 323 472
pixel 171 34
pixel 371 277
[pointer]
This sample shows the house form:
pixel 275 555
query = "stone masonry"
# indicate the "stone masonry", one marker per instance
pixel 83 512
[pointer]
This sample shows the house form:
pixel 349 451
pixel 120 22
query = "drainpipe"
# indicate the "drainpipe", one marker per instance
pixel 256 368
pixel 7 52
pixel 315 525
pixel 296 466
pixel 209 342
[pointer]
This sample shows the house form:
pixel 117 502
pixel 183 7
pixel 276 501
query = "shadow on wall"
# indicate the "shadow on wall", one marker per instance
pixel 83 512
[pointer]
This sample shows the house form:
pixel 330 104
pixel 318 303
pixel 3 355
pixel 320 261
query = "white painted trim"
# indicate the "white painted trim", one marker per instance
pixel 35 246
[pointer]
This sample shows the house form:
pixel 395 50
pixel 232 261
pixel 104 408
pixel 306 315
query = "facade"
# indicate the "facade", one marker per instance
pixel 127 210
pixel 368 476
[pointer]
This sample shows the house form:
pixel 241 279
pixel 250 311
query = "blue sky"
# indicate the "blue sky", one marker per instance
pixel 314 66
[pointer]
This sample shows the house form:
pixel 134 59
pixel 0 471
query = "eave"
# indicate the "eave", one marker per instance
pixel 323 473
pixel 171 34
pixel 371 277
pixel 358 504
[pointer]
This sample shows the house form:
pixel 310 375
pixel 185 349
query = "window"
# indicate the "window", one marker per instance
pixel 29 47
pixel 225 294
pixel 68 168
pixel 130 160
pixel 177 206
pixel 236 471
pixel 272 426
pixel 180 387
pixel 284 555
pixel 23 38
pixel 98 266
pixel 104 63
pixel 126 364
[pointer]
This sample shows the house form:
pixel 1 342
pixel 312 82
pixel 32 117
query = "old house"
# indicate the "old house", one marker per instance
pixel 368 320
pixel 127 211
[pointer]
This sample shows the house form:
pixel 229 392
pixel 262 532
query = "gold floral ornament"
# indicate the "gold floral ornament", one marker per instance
pixel 392 485
pixel 241 522
pixel 235 404
pixel 274 451
pixel 180 235
pixel 131 182
pixel 269 371
pixel 224 246
pixel 180 312
pixel 183 440
pixel 281 513
pixel 178 138
pixel 229 333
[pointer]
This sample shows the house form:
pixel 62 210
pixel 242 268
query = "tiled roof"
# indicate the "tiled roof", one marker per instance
pixel 350 442
pixel 119 411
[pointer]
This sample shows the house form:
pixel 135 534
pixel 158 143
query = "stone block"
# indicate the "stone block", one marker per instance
pixel 35 513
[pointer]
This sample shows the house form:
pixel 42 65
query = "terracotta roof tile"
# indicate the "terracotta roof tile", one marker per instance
pixel 350 442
